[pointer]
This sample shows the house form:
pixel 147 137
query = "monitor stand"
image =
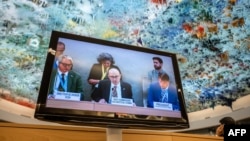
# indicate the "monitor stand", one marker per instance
pixel 113 134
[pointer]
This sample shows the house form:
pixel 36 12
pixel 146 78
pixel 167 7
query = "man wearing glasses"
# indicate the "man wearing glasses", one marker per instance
pixel 113 88
pixel 65 81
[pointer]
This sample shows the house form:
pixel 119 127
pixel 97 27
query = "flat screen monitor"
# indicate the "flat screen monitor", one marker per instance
pixel 103 83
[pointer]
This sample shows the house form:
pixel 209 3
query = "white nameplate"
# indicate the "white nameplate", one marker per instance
pixel 163 106
pixel 122 101
pixel 67 96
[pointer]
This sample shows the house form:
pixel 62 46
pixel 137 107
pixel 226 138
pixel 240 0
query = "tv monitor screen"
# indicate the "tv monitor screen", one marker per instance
pixel 103 83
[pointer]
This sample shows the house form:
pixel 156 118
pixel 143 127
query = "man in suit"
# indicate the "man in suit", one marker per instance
pixel 113 87
pixel 153 74
pixel 162 91
pixel 59 51
pixel 64 79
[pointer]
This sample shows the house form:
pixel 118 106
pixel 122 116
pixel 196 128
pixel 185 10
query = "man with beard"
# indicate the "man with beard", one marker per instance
pixel 154 74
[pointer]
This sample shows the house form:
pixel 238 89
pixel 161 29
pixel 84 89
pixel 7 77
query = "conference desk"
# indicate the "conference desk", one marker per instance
pixel 32 132
pixel 101 107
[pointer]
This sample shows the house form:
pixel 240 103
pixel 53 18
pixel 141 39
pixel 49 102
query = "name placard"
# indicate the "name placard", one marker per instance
pixel 67 96
pixel 163 106
pixel 122 101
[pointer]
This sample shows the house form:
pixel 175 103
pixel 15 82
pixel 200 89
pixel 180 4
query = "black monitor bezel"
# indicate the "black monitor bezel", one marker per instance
pixel 73 116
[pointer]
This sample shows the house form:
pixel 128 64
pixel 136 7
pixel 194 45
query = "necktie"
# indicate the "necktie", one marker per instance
pixel 61 88
pixel 114 91
pixel 63 80
pixel 164 96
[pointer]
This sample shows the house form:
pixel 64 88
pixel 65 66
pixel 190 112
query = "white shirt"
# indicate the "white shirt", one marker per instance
pixel 58 80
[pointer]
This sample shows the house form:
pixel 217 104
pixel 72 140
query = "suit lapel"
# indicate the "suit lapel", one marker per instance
pixel 53 76
pixel 107 90
pixel 70 80
pixel 123 90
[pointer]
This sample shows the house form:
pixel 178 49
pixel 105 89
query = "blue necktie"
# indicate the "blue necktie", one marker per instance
pixel 61 88
pixel 63 80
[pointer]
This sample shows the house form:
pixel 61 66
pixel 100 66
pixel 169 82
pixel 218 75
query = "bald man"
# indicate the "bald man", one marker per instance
pixel 113 87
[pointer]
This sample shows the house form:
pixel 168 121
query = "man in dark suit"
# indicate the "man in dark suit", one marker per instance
pixel 59 51
pixel 64 79
pixel 163 92
pixel 113 87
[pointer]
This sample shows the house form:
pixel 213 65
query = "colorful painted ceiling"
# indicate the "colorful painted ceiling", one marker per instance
pixel 211 38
